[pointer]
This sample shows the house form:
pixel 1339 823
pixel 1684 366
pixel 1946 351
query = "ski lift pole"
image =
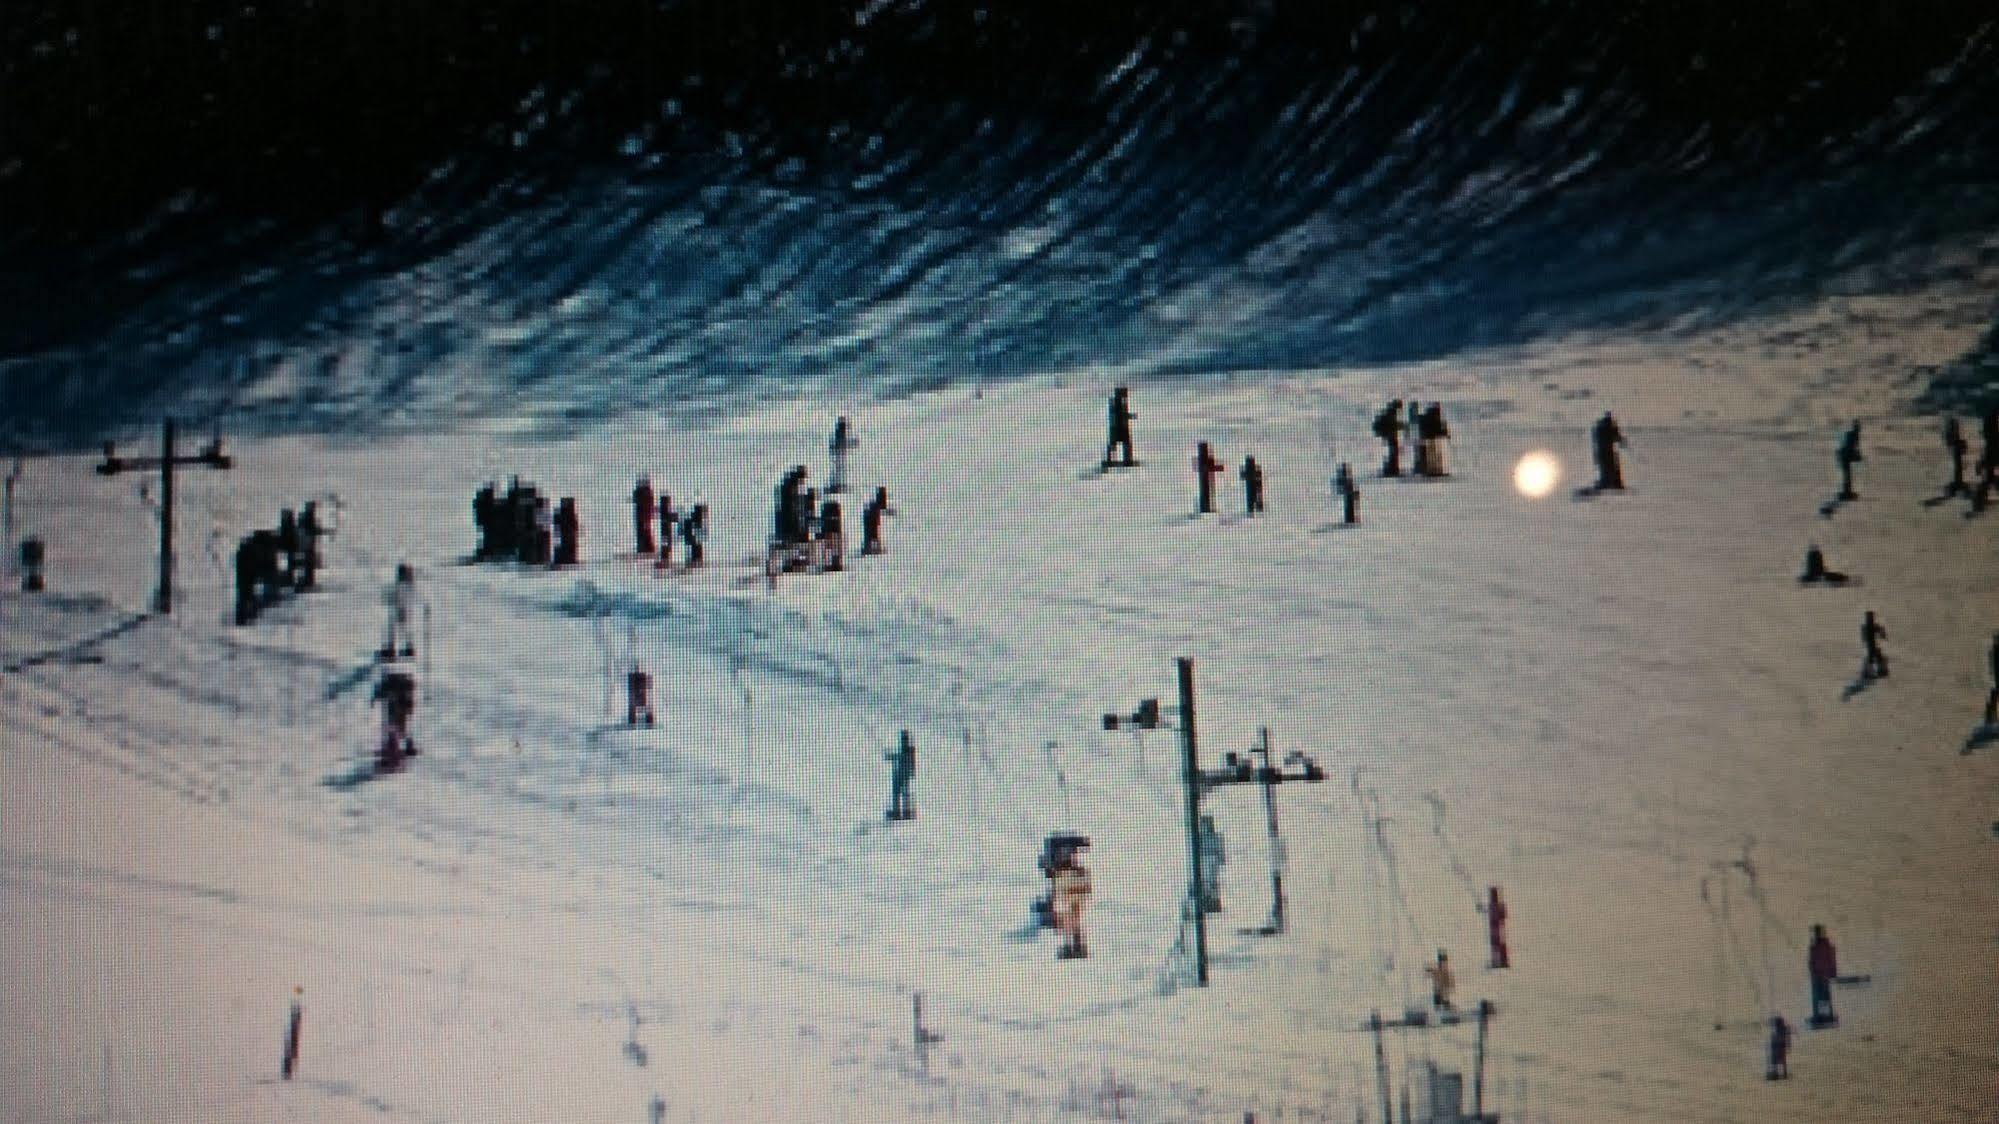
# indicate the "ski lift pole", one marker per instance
pixel 1381 1067
pixel 1192 776
pixel 1478 1065
pixel 211 456
pixel 1268 775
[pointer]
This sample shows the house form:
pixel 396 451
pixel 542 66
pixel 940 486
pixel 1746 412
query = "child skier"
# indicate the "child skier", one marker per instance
pixel 1349 492
pixel 1780 1050
pixel 638 696
pixel 396 692
pixel 871 521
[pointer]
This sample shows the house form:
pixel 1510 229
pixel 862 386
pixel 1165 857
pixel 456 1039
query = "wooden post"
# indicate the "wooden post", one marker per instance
pixel 163 598
pixel 1192 775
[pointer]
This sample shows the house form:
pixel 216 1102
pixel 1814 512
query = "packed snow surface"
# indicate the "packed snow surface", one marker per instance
pixel 1596 704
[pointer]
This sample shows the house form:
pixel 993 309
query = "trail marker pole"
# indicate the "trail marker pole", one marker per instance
pixel 1191 775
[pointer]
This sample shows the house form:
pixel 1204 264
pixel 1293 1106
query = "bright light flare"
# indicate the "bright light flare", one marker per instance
pixel 1537 474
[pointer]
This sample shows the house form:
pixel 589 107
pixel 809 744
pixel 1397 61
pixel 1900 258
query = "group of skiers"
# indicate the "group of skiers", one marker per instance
pixel 521 526
pixel 1988 459
pixel 270 563
pixel 1822 968
pixel 1207 467
pixel 810 532
pixel 1427 433
pixel 690 526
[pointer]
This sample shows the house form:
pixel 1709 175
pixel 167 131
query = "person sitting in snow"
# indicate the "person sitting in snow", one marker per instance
pixel 1816 572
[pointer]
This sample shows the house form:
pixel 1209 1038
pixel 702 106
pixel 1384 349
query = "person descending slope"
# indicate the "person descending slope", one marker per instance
pixel 1206 468
pixel 1120 430
pixel 841 443
pixel 401 600
pixel 1873 664
pixel 1252 486
pixel 1848 456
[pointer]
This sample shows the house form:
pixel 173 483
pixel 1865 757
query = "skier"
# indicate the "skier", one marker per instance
pixel 1992 696
pixel 1848 456
pixel 841 443
pixel 1432 457
pixel 541 551
pixel 1252 486
pixel 1822 961
pixel 1442 983
pixel 401 601
pixel 1606 437
pixel 1068 895
pixel 1780 1050
pixel 902 760
pixel 669 525
pixel 309 532
pixel 396 691
pixel 1957 446
pixel 485 517
pixel 638 695
pixel 1816 572
pixel 32 552
pixel 642 514
pixel 293 1025
pixel 832 539
pixel 1349 492
pixel 1120 430
pixel 1388 427
pixel 1209 840
pixel 568 534
pixel 246 581
pixel 871 521
pixel 288 545
pixel 1206 468
pixel 789 525
pixel 1873 665
pixel 694 532
pixel 1495 925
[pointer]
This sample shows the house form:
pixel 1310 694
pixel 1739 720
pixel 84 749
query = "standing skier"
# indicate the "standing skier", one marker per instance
pixel 1120 430
pixel 871 521
pixel 1442 983
pixel 1206 468
pixel 1069 893
pixel 839 446
pixel 669 525
pixel 1432 456
pixel 402 604
pixel 642 513
pixel 832 539
pixel 902 761
pixel 694 532
pixel 1495 926
pixel 1349 492
pixel 1252 486
pixel 1388 427
pixel 1955 444
pixel 1992 696
pixel 638 695
pixel 308 534
pixel 396 692
pixel 568 534
pixel 1848 456
pixel 1780 1050
pixel 1873 664
pixel 1605 439
pixel 1822 962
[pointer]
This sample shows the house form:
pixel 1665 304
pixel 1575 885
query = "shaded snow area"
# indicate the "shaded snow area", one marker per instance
pixel 1598 705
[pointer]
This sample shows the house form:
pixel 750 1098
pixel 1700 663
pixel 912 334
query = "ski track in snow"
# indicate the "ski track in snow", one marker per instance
pixel 1591 705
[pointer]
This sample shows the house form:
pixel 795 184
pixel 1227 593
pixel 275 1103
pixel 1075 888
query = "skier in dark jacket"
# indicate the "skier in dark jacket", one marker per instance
pixel 1955 444
pixel 669 526
pixel 568 533
pixel 1252 486
pixel 1605 438
pixel 1780 1050
pixel 1348 491
pixel 1120 430
pixel 1432 431
pixel 1388 427
pixel 1495 923
pixel 1873 665
pixel 1822 963
pixel 1849 455
pixel 642 514
pixel 1206 468
pixel 837 447
pixel 903 761
pixel 638 694
pixel 1816 572
pixel 694 532
pixel 832 537
pixel 871 521
pixel 309 531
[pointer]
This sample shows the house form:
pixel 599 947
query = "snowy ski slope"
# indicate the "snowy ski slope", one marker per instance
pixel 550 917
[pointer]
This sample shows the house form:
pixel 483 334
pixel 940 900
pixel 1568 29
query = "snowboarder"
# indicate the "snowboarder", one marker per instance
pixel 1780 1050
pixel 1816 572
pixel 1873 664
pixel 32 552
pixel 871 521
pixel 694 532
pixel 1069 893
pixel 1432 456
pixel 642 514
pixel 1349 492
pixel 1252 486
pixel 568 534
pixel 669 526
pixel 1388 427
pixel 1206 468
pixel 1120 430
pixel 401 601
pixel 1442 983
pixel 1213 855
pixel 1605 438
pixel 638 695
pixel 396 691
pixel 902 760
pixel 1955 444
pixel 832 538
pixel 1848 456
pixel 839 446
pixel 1495 926
pixel 1822 962
pixel 1992 696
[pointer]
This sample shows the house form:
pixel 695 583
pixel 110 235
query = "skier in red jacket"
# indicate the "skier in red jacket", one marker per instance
pixel 1822 961
pixel 1495 922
